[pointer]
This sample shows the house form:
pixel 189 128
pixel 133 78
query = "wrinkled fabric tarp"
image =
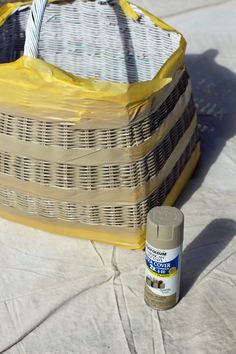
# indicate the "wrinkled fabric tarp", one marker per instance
pixel 60 295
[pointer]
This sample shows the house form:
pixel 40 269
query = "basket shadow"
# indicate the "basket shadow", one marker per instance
pixel 130 61
pixel 214 89
pixel 204 249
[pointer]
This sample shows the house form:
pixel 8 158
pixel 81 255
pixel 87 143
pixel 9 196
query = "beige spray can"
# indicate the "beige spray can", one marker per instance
pixel 163 257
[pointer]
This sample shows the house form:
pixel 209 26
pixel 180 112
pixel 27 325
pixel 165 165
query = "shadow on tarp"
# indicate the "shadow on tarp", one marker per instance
pixel 214 88
pixel 199 254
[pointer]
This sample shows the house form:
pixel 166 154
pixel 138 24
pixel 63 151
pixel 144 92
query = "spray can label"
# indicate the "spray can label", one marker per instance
pixel 163 270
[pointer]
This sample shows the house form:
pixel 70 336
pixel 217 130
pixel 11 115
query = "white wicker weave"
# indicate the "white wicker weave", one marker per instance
pixel 92 39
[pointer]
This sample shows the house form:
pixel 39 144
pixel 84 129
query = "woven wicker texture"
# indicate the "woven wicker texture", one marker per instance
pixel 67 136
pixel 129 216
pixel 95 39
pixel 94 177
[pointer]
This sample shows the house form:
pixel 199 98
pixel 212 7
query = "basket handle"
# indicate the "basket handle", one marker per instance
pixel 35 20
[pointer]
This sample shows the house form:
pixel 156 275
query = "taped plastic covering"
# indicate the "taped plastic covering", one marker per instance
pixel 35 90
pixel 30 86
pixel 122 237
pixel 117 155
pixel 121 195
pixel 87 102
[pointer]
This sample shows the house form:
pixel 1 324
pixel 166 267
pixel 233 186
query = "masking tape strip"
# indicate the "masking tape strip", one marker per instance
pixel 153 103
pixel 61 90
pixel 42 91
pixel 86 113
pixel 105 196
pixel 116 236
pixel 184 177
pixel 95 157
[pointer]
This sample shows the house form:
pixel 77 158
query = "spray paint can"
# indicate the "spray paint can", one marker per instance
pixel 163 257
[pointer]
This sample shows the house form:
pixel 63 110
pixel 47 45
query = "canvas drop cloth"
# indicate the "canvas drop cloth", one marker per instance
pixel 60 295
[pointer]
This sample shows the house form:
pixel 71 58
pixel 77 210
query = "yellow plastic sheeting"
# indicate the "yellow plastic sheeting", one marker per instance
pixel 32 87
pixel 98 157
pixel 128 10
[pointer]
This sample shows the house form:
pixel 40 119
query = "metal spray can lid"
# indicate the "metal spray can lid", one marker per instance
pixel 165 227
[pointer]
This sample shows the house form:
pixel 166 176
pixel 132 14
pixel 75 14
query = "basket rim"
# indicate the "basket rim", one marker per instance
pixel 110 98
pixel 92 85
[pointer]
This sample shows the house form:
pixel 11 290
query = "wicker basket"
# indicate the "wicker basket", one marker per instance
pixel 96 181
